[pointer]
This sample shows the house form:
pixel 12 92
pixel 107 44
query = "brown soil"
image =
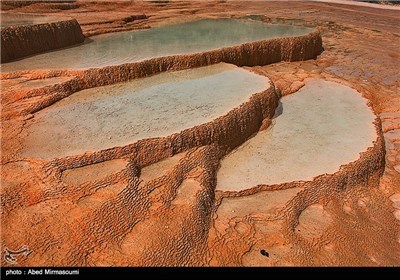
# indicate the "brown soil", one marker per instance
pixel 154 202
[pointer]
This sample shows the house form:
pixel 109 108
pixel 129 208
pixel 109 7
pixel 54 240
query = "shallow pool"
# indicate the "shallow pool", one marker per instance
pixel 183 38
pixel 121 114
pixel 316 130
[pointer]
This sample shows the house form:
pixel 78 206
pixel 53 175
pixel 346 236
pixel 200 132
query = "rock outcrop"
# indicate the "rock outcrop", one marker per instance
pixel 24 40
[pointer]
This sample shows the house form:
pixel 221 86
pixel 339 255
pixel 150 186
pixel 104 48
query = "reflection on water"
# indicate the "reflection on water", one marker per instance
pixel 192 37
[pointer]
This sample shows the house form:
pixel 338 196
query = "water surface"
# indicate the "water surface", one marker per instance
pixel 133 46
pixel 120 114
pixel 316 130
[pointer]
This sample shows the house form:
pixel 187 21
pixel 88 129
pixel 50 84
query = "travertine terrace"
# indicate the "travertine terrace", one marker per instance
pixel 178 158
pixel 158 106
pixel 198 36
pixel 304 141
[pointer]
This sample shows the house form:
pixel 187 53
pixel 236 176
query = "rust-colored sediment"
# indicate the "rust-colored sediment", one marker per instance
pixel 142 203
pixel 21 41
pixel 175 217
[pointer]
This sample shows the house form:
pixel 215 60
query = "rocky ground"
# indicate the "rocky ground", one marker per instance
pixel 116 213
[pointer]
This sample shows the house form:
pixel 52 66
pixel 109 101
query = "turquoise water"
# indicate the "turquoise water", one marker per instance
pixel 183 38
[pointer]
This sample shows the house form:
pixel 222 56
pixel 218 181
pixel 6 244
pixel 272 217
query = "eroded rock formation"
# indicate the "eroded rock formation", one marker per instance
pixel 24 40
